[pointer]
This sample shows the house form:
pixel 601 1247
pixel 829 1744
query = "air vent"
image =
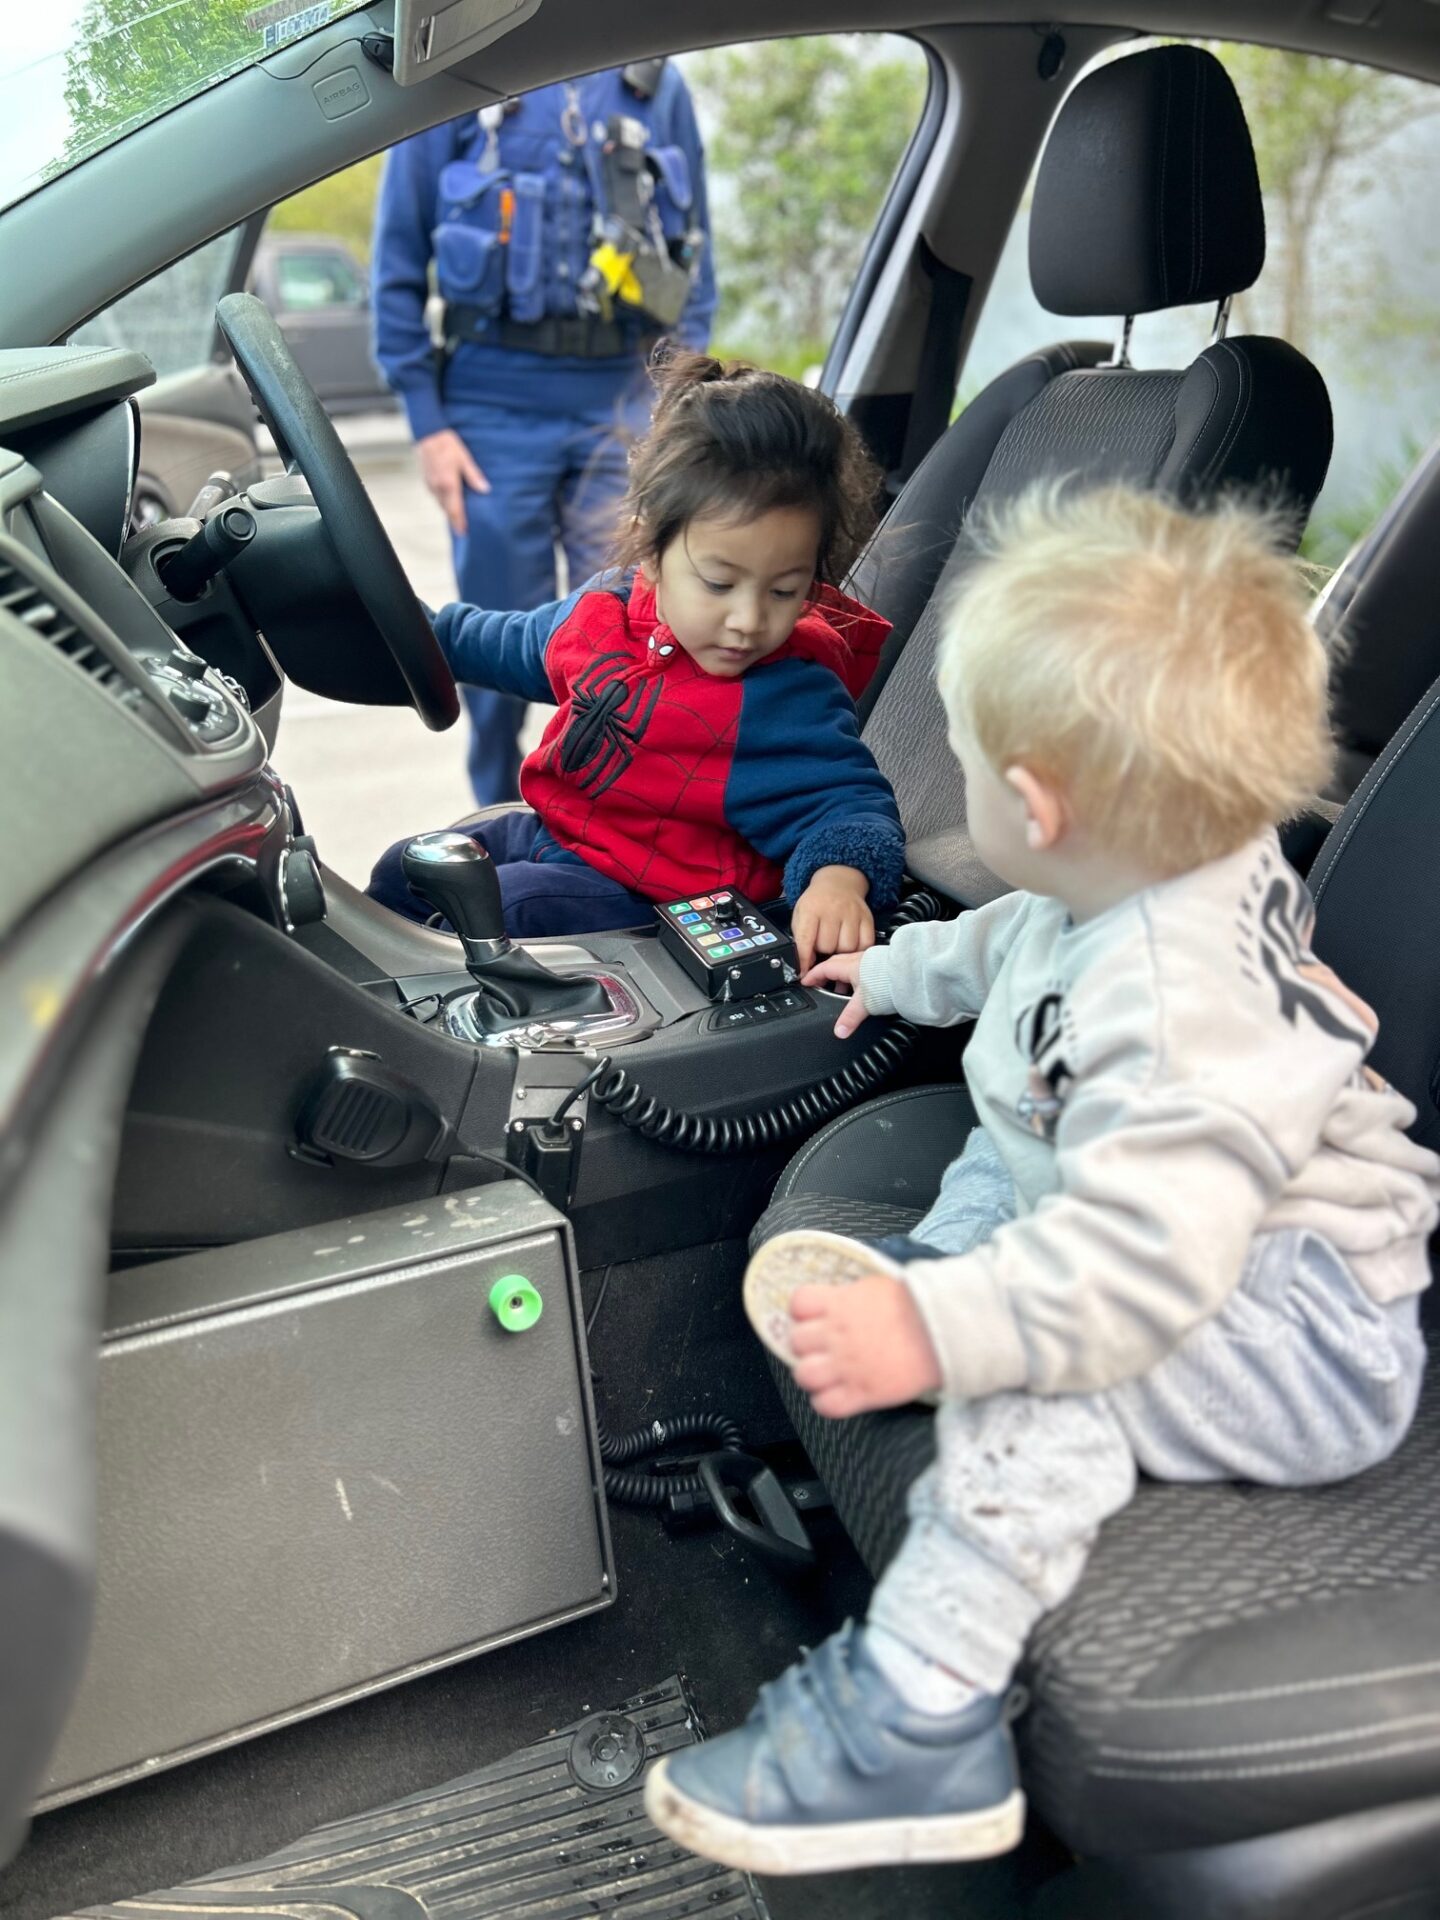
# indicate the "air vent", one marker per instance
pixel 31 605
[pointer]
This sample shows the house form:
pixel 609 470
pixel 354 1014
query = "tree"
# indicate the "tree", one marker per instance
pixel 1318 126
pixel 802 138
pixel 343 205
pixel 128 60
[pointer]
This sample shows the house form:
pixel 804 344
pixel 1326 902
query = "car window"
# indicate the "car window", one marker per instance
pixel 308 280
pixel 171 317
pixel 802 138
pixel 1346 155
pixel 80 74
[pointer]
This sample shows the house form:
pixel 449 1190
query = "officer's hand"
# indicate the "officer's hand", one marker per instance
pixel 448 468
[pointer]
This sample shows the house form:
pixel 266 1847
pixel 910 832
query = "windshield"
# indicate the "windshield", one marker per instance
pixel 79 74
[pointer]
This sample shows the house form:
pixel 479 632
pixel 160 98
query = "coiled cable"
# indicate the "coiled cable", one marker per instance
pixel 611 1087
pixel 617 1451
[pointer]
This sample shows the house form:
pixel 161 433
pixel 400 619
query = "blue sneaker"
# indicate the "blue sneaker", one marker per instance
pixel 834 1770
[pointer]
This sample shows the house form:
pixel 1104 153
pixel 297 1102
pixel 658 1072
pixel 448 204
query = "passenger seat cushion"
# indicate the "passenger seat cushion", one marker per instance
pixel 1236 1660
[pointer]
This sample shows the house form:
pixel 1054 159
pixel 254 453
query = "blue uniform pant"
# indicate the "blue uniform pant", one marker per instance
pixel 540 896
pixel 553 477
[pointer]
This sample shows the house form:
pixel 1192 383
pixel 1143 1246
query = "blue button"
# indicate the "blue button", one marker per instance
pixel 766 939
pixel 741 946
pixel 731 933
pixel 688 919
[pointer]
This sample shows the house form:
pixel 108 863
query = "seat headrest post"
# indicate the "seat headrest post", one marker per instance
pixel 1147 196
pixel 1121 355
pixel 1222 320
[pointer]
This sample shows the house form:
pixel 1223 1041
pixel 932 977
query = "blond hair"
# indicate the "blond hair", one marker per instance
pixel 1157 665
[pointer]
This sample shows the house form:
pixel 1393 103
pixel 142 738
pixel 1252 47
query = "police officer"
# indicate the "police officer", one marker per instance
pixel 523 415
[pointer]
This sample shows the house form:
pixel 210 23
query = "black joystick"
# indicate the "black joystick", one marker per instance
pixel 458 878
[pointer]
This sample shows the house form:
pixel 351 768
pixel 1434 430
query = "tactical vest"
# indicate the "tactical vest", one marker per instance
pixel 518 218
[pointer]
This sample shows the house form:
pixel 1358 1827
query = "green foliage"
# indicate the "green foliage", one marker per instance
pixel 129 60
pixel 343 205
pixel 1319 128
pixel 802 138
pixel 792 358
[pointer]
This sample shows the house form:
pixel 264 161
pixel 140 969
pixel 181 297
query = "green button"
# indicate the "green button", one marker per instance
pixel 719 953
pixel 680 906
pixel 515 1302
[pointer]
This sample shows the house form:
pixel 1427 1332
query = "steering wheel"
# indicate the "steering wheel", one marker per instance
pixel 307 441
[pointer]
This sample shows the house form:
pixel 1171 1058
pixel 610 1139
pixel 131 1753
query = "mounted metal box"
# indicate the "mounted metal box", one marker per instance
pixel 326 1467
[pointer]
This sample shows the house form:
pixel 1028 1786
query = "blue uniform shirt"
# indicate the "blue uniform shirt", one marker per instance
pixel 407 214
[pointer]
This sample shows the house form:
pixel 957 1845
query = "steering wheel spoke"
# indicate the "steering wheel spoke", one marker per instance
pixel 306 440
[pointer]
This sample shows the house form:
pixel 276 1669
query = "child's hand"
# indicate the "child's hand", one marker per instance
pixel 831 915
pixel 861 1347
pixel 842 970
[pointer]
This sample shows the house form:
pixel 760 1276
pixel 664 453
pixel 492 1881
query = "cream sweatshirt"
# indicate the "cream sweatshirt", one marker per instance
pixel 1164 1082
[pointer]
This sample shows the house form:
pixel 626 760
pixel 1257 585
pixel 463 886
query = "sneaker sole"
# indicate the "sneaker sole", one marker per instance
pixel 834 1848
pixel 808 1257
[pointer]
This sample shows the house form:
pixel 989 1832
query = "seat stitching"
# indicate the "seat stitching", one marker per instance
pixel 1295 1743
pixel 1199 433
pixel 838 1125
pixel 1266 1773
pixel 1153 1703
pixel 1382 770
pixel 1197 202
pixel 1160 206
pixel 1241 408
pixel 67 366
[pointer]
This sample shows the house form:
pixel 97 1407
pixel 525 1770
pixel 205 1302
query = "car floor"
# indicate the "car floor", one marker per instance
pixel 671 1330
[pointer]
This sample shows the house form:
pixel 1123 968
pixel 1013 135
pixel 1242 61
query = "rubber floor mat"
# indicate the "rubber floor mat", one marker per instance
pixel 557 1831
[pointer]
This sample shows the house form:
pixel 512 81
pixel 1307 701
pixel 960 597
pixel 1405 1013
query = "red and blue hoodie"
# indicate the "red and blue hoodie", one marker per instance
pixel 674 782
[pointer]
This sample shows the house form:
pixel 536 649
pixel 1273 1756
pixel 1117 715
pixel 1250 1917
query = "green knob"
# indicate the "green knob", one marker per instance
pixel 515 1302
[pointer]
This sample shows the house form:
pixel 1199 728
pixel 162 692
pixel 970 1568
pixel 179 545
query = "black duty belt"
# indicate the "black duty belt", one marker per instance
pixel 580 336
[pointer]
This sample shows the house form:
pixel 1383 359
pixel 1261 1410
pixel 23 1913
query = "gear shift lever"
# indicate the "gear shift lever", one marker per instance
pixel 457 876
pixel 512 989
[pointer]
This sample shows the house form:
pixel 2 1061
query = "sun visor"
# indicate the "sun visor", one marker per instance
pixel 431 35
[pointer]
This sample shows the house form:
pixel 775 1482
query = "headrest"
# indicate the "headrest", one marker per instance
pixel 1147 195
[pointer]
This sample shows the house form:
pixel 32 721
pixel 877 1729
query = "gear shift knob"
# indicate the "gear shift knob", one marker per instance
pixel 458 878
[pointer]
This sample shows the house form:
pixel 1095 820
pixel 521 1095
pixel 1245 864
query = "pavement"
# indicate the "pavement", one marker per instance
pixel 366 775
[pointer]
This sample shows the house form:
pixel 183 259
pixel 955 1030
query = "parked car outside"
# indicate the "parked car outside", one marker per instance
pixel 319 292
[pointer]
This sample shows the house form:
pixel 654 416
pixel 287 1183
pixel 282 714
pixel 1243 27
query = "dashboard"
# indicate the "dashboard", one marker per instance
pixel 115 737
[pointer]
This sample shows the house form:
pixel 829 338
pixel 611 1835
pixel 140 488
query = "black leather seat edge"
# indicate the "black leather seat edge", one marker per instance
pixel 1383 603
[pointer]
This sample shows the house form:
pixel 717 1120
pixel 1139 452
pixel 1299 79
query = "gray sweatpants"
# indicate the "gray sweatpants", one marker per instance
pixel 1300 1379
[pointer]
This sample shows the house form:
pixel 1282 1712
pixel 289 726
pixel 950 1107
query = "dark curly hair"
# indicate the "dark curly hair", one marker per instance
pixel 737 441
